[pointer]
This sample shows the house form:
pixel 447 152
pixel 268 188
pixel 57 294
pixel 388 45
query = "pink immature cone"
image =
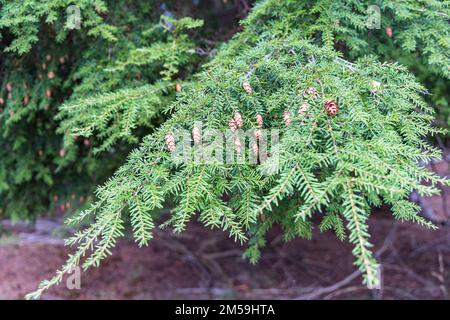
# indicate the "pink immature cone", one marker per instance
pixel 2 101
pixel 287 118
pixel 331 107
pixel 170 142
pixel 51 75
pixel 232 125
pixel 9 86
pixel 196 135
pixel 303 109
pixel 26 100
pixel 238 119
pixel 311 92
pixel 258 135
pixel 389 31
pixel 259 120
pixel 255 149
pixel 247 87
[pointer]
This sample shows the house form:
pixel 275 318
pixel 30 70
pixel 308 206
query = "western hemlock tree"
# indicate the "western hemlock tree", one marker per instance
pixel 338 166
pixel 351 134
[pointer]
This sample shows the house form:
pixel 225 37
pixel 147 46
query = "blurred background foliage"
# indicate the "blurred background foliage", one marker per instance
pixel 49 68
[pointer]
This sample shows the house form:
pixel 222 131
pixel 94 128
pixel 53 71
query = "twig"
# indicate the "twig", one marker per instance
pixel 326 290
pixel 222 254
pixel 342 291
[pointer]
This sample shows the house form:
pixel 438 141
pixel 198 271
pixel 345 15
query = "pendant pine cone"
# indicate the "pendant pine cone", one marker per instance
pixel 258 135
pixel 259 120
pixel 232 125
pixel 255 149
pixel 311 92
pixel 287 118
pixel 238 119
pixel 389 31
pixel 170 142
pixel 196 135
pixel 303 109
pixel 247 87
pixel 331 107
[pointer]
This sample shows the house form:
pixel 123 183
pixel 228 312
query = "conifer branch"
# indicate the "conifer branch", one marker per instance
pixel 356 218
pixel 356 144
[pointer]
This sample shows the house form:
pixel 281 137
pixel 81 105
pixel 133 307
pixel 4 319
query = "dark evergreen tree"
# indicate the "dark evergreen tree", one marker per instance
pixel 80 78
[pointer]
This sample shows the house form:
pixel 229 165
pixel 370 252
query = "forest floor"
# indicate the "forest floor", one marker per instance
pixel 206 264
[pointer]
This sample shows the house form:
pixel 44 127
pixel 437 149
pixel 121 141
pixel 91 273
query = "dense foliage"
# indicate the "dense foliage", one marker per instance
pixel 82 83
pixel 351 134
pixel 67 93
